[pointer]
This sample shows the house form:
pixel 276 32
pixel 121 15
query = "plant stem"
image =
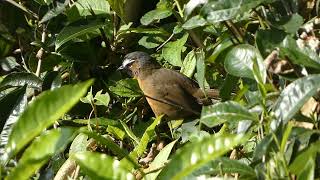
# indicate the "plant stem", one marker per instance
pixel 40 52
pixel 179 8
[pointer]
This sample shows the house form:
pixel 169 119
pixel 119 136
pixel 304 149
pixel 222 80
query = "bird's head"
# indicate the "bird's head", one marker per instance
pixel 135 62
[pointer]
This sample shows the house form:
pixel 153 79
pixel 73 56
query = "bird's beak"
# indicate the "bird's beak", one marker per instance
pixel 120 68
pixel 125 64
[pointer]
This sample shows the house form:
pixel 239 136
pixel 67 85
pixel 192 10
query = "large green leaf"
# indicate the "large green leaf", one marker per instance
pixel 39 152
pixel 225 111
pixel 171 52
pixel 75 30
pixel 101 166
pixel 42 113
pixel 21 79
pixel 162 11
pixel 293 97
pixel 240 61
pixel 221 10
pixel 195 155
pixel 127 88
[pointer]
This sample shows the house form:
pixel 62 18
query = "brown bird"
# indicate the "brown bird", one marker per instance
pixel 168 92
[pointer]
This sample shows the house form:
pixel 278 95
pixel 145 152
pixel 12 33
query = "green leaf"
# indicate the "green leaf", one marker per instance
pixel 225 165
pixel 289 24
pixel 102 99
pixel 101 166
pixel 159 161
pixel 21 79
pixel 108 142
pixel 97 6
pixel 146 137
pixel 307 172
pixel 262 148
pixel 293 97
pixel 171 52
pixel 194 155
pixel 79 144
pixel 222 47
pixel 60 8
pixel 75 30
pixel 221 10
pixel 39 152
pixel 189 64
pixel 150 41
pixel 162 11
pixel 304 56
pixel 42 113
pixel 8 102
pixel 201 69
pixel 194 22
pixel 240 62
pixel 8 63
pixel 298 165
pixel 127 88
pixel 225 111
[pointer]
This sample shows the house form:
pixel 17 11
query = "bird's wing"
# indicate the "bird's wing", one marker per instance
pixel 176 88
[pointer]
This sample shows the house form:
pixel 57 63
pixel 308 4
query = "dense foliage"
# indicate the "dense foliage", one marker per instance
pixel 65 110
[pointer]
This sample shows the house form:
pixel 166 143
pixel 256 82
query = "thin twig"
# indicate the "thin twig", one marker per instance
pixel 41 52
pixel 164 43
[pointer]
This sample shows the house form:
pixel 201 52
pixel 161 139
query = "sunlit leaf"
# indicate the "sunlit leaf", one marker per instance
pixel 97 6
pixel 171 52
pixel 201 69
pixel 189 64
pixel 293 97
pixel 297 166
pixel 195 155
pixel 194 22
pixel 162 11
pixel 240 62
pixel 41 113
pixel 225 111
pixel 127 88
pixel 39 152
pixel 101 166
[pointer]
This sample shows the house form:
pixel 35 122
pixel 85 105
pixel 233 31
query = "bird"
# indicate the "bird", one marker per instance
pixel 167 91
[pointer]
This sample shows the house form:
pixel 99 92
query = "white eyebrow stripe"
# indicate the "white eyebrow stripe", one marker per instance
pixel 127 61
